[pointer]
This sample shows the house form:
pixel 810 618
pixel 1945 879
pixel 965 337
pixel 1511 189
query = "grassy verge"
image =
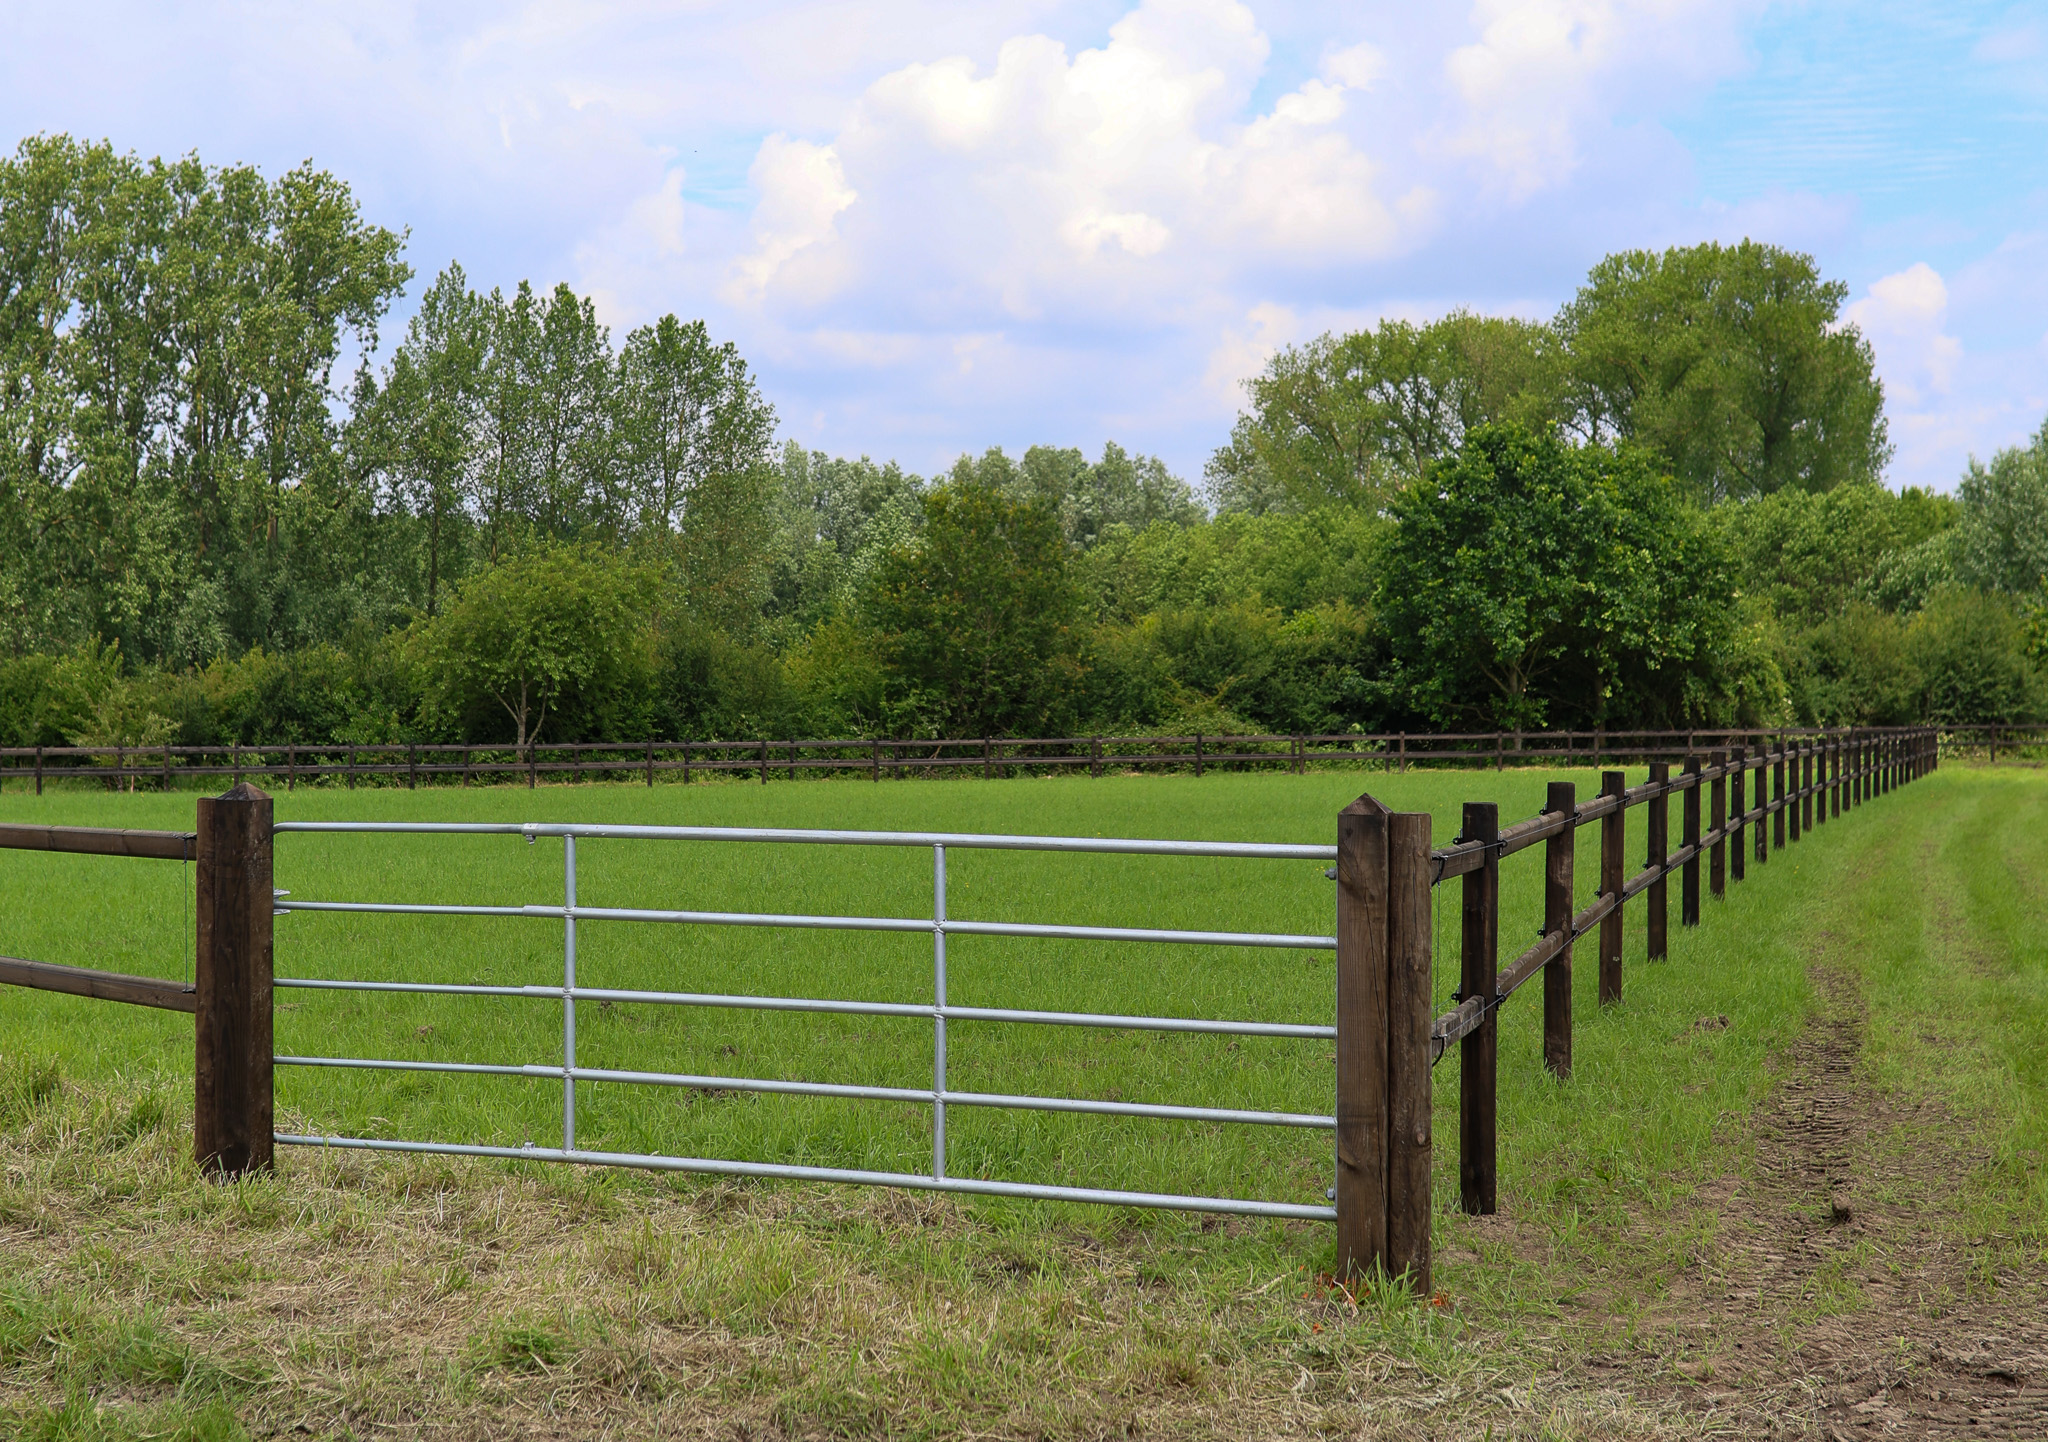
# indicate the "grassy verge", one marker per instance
pixel 359 1294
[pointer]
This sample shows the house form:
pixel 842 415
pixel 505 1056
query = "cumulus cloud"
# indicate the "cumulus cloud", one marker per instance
pixel 1903 317
pixel 1544 74
pixel 1112 176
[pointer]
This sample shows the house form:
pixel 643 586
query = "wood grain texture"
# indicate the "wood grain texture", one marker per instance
pixel 104 985
pixel 100 841
pixel 1409 951
pixel 1361 1037
pixel 231 1123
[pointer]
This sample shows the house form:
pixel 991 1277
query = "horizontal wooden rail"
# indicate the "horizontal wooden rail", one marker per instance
pixel 99 841
pixel 413 764
pixel 102 985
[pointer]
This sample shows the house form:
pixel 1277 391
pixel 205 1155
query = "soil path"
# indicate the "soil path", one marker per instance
pixel 1843 1297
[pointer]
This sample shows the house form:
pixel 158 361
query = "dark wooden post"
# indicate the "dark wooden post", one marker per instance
pixel 1792 793
pixel 1806 788
pixel 231 1118
pixel 1656 903
pixel 39 770
pixel 1689 838
pixel 650 765
pixel 1738 807
pixel 1479 1051
pixel 532 775
pixel 764 760
pixel 1561 798
pixel 1717 817
pixel 1778 796
pixel 1761 789
pixel 1198 754
pixel 1409 949
pixel 1361 1037
pixel 1613 876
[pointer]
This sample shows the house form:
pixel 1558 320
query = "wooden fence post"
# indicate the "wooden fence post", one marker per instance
pixel 1478 975
pixel 1778 796
pixel 1806 788
pixel 1738 807
pixel 650 765
pixel 39 770
pixel 1717 817
pixel 1409 951
pixel 764 760
pixel 1792 828
pixel 1198 755
pixel 1656 905
pixel 231 1117
pixel 1361 1038
pixel 1613 876
pixel 1562 798
pixel 1761 790
pixel 1689 838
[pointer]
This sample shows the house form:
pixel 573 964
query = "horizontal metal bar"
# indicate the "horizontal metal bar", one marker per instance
pixel 351 1063
pixel 921 1096
pixel 1111 1022
pixel 910 1181
pixel 425 988
pixel 406 908
pixel 837 923
pixel 1106 1021
pixel 961 840
pixel 1138 1109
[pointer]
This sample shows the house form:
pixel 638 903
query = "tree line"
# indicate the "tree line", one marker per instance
pixel 227 514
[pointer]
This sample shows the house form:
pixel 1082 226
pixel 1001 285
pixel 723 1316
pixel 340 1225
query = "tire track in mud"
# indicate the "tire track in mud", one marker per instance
pixel 1838 1302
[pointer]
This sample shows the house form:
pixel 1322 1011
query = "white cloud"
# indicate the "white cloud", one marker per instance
pixel 803 189
pixel 1117 177
pixel 1903 317
pixel 1544 73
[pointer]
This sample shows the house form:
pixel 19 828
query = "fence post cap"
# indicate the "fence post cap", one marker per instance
pixel 1366 805
pixel 243 791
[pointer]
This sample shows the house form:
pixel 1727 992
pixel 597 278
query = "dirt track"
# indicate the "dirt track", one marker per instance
pixel 1843 1298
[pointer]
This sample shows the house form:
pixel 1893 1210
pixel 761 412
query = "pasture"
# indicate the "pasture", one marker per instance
pixel 1915 916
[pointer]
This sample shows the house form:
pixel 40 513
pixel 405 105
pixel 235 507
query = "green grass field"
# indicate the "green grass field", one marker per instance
pixel 133 915
pixel 1927 904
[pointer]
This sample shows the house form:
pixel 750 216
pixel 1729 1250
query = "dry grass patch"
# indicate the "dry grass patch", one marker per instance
pixel 350 1296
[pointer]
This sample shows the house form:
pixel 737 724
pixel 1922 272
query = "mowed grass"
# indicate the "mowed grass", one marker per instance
pixel 133 915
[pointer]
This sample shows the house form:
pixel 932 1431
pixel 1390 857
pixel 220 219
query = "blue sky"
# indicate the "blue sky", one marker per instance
pixel 934 228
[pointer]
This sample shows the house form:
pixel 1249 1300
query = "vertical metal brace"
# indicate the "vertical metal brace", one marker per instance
pixel 939 1016
pixel 568 993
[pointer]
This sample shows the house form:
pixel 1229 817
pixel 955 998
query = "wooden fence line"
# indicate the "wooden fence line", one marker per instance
pixel 412 764
pixel 1387 1042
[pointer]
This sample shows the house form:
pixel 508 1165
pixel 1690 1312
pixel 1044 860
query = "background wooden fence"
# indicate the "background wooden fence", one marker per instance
pixel 349 765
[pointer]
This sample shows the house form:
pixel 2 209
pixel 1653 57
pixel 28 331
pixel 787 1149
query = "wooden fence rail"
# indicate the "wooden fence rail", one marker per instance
pixel 410 765
pixel 1387 1040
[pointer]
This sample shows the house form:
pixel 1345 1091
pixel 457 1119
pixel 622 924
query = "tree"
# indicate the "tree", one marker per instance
pixel 1731 363
pixel 419 429
pixel 1526 577
pixel 552 629
pixel 689 416
pixel 2001 539
pixel 977 616
pixel 1352 418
